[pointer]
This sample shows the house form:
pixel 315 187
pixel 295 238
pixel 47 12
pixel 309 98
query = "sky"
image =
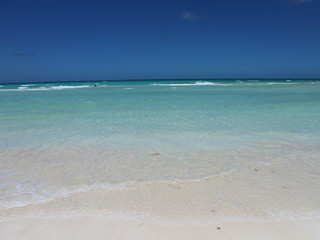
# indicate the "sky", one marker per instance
pixel 55 40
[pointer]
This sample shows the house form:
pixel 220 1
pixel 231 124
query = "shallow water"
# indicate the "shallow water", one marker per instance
pixel 163 149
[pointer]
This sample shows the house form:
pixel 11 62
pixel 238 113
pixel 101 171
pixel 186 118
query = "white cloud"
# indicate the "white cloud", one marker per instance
pixel 189 16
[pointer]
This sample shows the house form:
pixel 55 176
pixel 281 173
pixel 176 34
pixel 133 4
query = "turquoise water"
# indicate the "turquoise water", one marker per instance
pixel 60 139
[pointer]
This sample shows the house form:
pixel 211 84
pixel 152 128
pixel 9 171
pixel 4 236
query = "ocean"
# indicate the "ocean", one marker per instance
pixel 170 150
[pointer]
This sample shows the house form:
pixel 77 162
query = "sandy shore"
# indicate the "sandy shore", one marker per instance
pixel 120 228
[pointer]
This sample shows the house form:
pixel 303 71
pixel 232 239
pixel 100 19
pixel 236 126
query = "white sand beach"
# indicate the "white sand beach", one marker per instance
pixel 94 228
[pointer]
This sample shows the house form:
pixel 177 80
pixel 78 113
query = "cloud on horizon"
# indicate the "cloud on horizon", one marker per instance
pixel 189 16
pixel 21 54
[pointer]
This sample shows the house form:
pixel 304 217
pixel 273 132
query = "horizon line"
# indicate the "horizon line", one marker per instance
pixel 165 79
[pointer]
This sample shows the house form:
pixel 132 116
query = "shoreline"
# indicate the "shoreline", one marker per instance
pixel 94 227
pixel 225 197
pixel 170 160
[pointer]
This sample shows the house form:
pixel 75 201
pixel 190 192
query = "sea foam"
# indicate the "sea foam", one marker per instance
pixel 43 88
pixel 199 83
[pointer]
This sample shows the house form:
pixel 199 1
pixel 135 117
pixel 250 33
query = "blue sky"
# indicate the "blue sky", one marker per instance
pixel 56 40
